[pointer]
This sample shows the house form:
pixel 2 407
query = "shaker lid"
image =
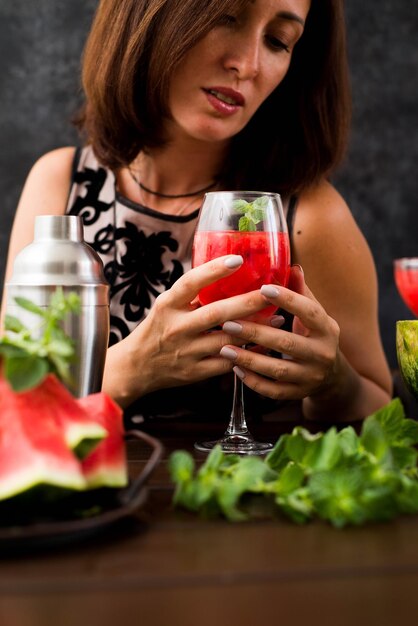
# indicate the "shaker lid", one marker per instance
pixel 58 255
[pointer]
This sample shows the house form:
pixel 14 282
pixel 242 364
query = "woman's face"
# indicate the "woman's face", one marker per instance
pixel 223 80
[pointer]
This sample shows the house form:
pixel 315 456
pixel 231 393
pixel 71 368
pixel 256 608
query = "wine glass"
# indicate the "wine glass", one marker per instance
pixel 250 224
pixel 406 279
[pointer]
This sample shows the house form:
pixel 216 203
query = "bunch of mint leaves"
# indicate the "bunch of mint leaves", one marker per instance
pixel 252 212
pixel 28 355
pixel 337 476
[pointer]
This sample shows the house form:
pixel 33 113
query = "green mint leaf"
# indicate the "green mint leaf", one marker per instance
pixel 374 439
pixel 60 305
pixel 10 350
pixel 59 365
pixel 181 466
pixel 279 457
pixel 390 417
pixel 213 461
pixel 61 347
pixel 13 324
pixel 291 478
pixel 335 495
pixel 348 441
pixel 25 372
pixel 28 305
pixel 249 476
pixel 296 505
pixel 240 206
pixel 409 432
pixel 261 204
pixel 47 343
pixel 300 443
pixel 257 216
pixel 245 224
pixel 403 457
pixel 407 496
pixel 252 212
pixel 324 453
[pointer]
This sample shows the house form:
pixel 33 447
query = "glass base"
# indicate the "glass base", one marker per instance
pixel 235 444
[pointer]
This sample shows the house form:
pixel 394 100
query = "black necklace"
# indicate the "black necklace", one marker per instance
pixel 169 195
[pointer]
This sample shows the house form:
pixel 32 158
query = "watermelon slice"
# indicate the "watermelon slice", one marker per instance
pixel 106 465
pixel 33 450
pixel 407 352
pixel 81 432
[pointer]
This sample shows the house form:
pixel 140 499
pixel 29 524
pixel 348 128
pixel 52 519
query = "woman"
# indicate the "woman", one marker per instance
pixel 222 94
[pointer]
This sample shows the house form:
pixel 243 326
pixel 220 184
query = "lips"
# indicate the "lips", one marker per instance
pixel 225 94
pixel 224 99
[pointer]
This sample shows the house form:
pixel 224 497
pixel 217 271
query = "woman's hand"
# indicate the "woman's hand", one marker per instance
pixel 173 345
pixel 311 352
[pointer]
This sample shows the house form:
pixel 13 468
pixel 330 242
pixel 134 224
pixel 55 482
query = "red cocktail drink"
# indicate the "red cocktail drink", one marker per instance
pixel 406 279
pixel 266 261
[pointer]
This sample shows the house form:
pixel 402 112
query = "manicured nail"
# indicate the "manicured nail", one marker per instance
pixel 269 291
pixel 233 261
pixel 238 371
pixel 277 321
pixel 233 328
pixel 300 268
pixel 228 353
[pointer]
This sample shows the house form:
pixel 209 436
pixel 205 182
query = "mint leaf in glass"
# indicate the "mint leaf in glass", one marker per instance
pixel 252 212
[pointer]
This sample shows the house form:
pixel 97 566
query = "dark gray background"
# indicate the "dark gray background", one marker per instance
pixel 40 48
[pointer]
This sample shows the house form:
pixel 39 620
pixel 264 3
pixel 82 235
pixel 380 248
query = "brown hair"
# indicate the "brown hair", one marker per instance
pixel 297 136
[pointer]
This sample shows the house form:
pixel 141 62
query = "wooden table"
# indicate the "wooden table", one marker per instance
pixel 172 568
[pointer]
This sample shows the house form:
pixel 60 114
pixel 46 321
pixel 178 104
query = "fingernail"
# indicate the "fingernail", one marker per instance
pixel 277 321
pixel 228 353
pixel 233 261
pixel 238 371
pixel 269 291
pixel 232 327
pixel 300 268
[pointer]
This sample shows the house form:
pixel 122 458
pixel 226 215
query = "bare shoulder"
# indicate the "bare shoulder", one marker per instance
pixel 45 192
pixel 325 230
pixel 334 253
pixel 47 185
pixel 340 270
pixel 53 168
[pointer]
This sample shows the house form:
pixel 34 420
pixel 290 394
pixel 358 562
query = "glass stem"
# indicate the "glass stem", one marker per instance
pixel 237 423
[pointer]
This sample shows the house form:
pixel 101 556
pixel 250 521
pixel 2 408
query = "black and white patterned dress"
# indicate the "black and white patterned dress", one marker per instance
pixel 144 252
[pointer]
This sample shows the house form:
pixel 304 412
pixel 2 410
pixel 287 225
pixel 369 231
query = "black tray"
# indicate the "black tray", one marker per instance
pixel 113 505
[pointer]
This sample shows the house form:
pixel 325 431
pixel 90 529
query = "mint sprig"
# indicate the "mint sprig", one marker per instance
pixel 29 355
pixel 252 212
pixel 338 476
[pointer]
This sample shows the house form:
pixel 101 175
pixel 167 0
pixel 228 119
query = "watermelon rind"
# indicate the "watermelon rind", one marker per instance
pixel 106 466
pixel 106 477
pixel 82 433
pixel 83 439
pixel 407 352
pixel 28 478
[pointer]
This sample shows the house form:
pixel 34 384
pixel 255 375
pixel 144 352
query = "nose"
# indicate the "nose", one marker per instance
pixel 243 57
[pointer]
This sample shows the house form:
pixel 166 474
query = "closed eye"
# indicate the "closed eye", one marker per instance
pixel 276 44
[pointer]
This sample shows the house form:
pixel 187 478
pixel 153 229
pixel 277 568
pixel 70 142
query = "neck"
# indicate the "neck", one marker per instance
pixel 181 167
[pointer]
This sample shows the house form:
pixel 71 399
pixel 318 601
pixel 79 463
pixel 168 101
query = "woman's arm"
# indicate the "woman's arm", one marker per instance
pixel 340 271
pixel 337 362
pixel 45 193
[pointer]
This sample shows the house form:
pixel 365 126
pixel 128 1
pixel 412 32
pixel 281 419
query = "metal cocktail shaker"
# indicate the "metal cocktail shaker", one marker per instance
pixel 59 256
